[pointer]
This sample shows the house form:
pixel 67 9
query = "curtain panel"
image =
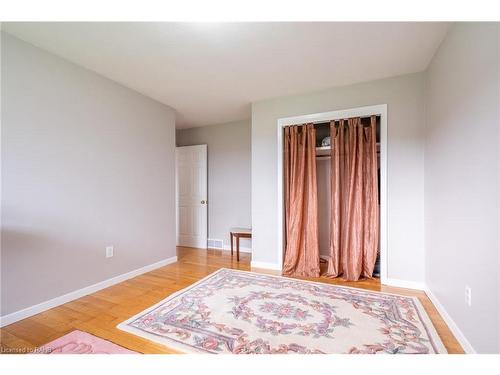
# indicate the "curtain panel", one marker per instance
pixel 301 256
pixel 354 227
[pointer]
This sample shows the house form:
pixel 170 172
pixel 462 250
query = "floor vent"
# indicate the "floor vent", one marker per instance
pixel 215 244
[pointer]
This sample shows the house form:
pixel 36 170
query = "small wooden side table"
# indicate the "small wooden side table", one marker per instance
pixel 239 233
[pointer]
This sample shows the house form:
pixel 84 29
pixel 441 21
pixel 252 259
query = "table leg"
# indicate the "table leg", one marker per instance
pixel 237 248
pixel 231 235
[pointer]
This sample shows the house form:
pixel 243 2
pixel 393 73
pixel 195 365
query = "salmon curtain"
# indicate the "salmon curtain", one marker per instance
pixel 354 199
pixel 301 256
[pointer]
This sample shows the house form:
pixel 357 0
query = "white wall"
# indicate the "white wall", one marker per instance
pixel 86 163
pixel 462 172
pixel 405 100
pixel 229 175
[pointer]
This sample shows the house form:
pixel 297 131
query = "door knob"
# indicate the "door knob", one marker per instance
pixel 203 202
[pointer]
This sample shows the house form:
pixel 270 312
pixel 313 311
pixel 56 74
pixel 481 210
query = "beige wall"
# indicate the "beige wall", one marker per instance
pixel 229 172
pixel 86 163
pixel 404 97
pixel 462 173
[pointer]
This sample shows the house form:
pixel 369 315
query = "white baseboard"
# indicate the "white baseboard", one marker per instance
pixel 403 283
pixel 450 322
pixel 36 309
pixel 265 265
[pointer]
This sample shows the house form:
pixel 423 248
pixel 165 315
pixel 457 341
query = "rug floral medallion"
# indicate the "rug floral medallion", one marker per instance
pixel 238 312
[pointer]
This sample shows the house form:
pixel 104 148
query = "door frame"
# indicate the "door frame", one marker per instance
pixel 380 110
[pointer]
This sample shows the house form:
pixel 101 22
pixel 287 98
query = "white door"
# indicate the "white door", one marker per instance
pixel 191 195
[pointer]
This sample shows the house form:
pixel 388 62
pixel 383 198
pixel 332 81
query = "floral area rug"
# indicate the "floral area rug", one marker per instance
pixel 239 312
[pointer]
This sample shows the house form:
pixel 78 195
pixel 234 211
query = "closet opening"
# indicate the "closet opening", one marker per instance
pixel 366 119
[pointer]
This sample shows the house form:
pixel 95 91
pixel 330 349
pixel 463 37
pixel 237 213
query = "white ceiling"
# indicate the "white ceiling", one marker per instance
pixel 211 72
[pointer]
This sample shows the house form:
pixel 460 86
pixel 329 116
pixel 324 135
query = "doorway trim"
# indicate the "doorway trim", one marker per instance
pixel 380 110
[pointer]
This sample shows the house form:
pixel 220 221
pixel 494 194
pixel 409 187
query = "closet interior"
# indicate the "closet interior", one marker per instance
pixel 323 169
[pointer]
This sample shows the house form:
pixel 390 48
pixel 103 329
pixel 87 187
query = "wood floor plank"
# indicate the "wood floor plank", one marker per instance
pixel 99 313
pixel 10 341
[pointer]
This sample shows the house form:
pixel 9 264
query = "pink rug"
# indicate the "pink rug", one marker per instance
pixel 78 342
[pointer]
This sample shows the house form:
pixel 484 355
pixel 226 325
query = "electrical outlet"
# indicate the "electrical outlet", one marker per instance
pixel 468 295
pixel 109 251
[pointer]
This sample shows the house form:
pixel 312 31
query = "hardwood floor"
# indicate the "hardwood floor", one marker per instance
pixel 99 313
